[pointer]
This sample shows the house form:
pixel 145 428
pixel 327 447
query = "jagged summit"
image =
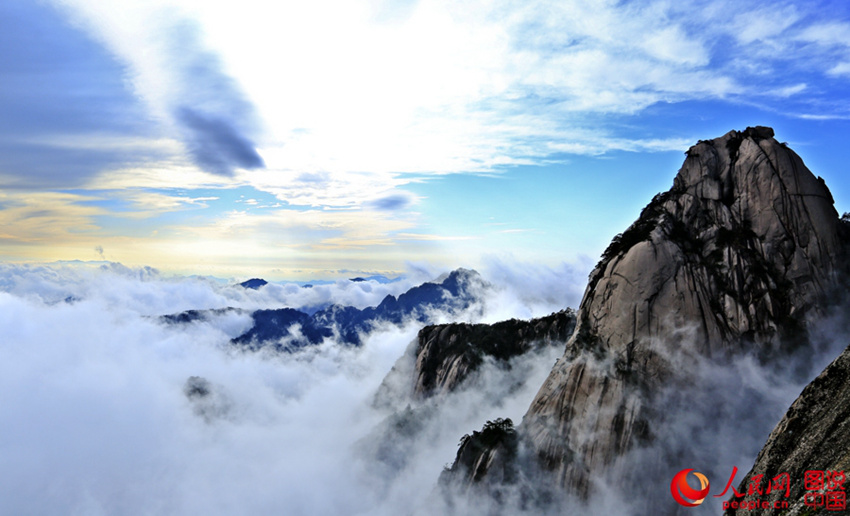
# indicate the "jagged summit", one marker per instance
pixel 747 222
pixel 727 169
pixel 735 258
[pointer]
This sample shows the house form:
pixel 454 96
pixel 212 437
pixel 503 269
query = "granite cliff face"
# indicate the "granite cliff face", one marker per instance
pixel 735 258
pixel 732 258
pixel 444 356
pixel 452 371
pixel 447 354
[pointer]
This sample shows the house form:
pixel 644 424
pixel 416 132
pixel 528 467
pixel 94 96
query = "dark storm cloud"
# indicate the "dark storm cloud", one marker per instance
pixel 217 120
pixel 216 145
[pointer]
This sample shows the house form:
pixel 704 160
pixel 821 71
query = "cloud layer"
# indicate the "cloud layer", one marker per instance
pixel 183 82
pixel 448 86
pixel 97 419
pixel 106 409
pixel 122 116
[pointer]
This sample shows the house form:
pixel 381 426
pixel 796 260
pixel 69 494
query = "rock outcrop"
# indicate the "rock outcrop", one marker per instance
pixel 254 283
pixel 444 356
pixel 813 436
pixel 208 401
pixel 490 452
pixel 735 258
pixel 459 364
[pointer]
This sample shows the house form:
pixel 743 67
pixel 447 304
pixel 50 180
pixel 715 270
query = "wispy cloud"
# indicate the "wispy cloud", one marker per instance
pixel 183 82
pixel 342 87
pixel 392 202
pixel 47 218
pixel 198 232
pixel 430 237
pixel 215 144
pixel 66 113
pixel 842 68
pixel 337 105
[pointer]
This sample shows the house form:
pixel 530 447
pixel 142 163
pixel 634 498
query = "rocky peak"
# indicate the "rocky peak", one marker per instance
pixel 444 356
pixel 747 222
pixel 735 257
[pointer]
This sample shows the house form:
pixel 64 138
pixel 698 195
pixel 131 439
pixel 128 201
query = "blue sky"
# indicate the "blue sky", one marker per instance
pixel 295 139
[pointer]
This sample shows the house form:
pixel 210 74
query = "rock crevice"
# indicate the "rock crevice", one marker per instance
pixel 735 258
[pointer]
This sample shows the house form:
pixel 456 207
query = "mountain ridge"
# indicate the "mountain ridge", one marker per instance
pixel 737 257
pixel 444 356
pixel 290 328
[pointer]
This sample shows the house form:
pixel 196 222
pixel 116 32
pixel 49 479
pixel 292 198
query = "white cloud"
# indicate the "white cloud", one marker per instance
pixel 350 93
pixel 842 68
pixel 672 44
pixel 95 419
pixel 828 33
pixel 763 25
pixel 789 91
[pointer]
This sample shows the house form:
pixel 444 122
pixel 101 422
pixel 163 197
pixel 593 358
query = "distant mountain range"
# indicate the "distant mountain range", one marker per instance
pixel 289 328
pixel 256 283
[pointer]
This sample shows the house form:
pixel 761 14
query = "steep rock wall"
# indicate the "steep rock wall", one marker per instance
pixel 736 257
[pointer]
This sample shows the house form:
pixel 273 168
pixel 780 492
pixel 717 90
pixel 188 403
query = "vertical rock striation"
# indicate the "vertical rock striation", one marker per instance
pixel 444 356
pixel 735 257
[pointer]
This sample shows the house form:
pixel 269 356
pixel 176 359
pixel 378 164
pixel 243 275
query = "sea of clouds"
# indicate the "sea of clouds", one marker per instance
pixel 96 419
